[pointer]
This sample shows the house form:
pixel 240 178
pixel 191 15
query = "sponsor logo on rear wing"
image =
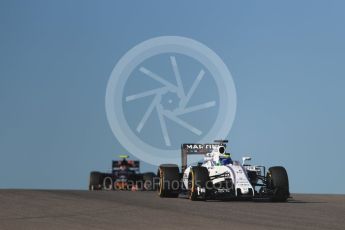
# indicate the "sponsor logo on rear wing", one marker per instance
pixel 134 165
pixel 199 148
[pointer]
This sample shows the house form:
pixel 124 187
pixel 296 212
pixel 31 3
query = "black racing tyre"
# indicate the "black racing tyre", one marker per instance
pixel 149 181
pixel 169 181
pixel 198 177
pixel 278 182
pixel 96 181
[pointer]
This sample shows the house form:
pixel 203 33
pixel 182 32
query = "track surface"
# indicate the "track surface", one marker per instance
pixel 51 209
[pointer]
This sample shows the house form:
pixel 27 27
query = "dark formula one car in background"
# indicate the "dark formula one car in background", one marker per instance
pixel 125 175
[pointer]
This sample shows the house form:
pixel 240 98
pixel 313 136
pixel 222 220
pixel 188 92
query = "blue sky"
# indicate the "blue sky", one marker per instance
pixel 286 59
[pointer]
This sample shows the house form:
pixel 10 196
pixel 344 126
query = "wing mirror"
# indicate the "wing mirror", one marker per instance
pixel 244 159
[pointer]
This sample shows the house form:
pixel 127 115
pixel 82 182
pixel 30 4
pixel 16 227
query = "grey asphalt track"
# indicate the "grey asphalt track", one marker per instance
pixel 55 209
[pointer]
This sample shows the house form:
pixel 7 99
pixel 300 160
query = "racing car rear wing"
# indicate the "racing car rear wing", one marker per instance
pixel 133 165
pixel 196 149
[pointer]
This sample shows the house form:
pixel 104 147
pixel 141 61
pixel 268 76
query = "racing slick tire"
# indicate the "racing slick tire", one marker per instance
pixel 169 181
pixel 149 181
pixel 278 182
pixel 198 178
pixel 96 181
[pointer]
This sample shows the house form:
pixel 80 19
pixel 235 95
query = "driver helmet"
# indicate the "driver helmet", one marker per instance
pixel 225 159
pixel 124 164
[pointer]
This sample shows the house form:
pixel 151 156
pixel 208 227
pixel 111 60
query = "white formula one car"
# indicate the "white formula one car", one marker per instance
pixel 219 177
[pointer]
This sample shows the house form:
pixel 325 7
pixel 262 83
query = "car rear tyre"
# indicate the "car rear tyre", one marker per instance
pixel 169 181
pixel 96 180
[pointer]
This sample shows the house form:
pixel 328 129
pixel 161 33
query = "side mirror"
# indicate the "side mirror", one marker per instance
pixel 244 159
